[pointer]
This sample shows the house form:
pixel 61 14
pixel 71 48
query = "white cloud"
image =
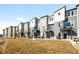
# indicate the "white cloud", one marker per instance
pixel 21 19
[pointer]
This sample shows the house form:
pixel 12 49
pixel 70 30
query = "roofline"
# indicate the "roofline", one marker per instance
pixel 20 23
pixel 77 5
pixel 33 18
pixel 6 28
pixel 44 16
pixel 60 9
pixel 51 15
pixel 14 26
pixel 71 9
pixel 26 22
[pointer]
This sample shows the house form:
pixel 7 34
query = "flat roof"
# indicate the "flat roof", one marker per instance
pixel 71 9
pixel 77 5
pixel 44 16
pixel 33 18
pixel 26 22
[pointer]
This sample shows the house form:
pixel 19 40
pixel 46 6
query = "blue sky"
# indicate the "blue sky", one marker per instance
pixel 13 14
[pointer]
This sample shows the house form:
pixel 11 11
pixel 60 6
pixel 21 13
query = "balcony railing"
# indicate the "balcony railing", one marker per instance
pixel 66 25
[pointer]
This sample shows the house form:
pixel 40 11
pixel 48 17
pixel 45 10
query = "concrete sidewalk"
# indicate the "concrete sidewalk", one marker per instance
pixel 76 46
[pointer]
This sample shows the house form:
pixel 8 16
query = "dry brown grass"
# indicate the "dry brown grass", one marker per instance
pixel 39 46
pixel 2 42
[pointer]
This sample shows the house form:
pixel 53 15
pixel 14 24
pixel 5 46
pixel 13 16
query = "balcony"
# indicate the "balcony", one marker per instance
pixel 66 26
pixel 50 27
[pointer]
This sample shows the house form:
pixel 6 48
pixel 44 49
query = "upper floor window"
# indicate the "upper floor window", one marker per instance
pixel 75 12
pixel 66 24
pixel 38 21
pixel 50 26
pixel 59 13
pixel 72 12
pixel 59 24
pixel 66 20
pixel 68 13
pixel 49 19
pixel 52 18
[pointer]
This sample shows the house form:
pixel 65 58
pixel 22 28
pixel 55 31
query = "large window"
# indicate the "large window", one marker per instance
pixel 59 13
pixel 51 19
pixel 75 12
pixel 59 24
pixel 66 24
pixel 52 33
pixel 72 12
pixel 50 26
pixel 68 13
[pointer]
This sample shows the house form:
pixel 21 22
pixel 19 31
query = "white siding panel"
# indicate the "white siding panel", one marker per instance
pixel 60 15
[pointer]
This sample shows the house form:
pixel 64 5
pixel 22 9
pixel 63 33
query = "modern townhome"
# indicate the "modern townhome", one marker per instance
pixel 26 29
pixel 62 23
pixel 54 23
pixel 4 33
pixel 10 32
pixel 33 27
pixel 58 18
pixel 51 26
pixel 43 26
pixel 21 30
pixel 65 23
pixel 69 29
pixel 15 31
pixel 38 28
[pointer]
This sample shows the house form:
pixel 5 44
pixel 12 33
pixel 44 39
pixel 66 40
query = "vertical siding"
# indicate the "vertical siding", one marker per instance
pixel 43 25
pixel 26 29
pixel 78 21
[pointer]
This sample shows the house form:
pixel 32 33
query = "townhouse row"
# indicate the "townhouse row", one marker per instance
pixel 61 24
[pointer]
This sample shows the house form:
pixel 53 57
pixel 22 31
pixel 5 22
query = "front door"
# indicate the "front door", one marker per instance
pixel 65 36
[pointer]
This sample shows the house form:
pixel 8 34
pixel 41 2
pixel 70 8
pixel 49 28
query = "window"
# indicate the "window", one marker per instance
pixel 66 20
pixel 52 33
pixel 59 13
pixel 51 26
pixel 66 24
pixel 72 13
pixel 52 18
pixel 75 12
pixel 68 13
pixel 59 24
